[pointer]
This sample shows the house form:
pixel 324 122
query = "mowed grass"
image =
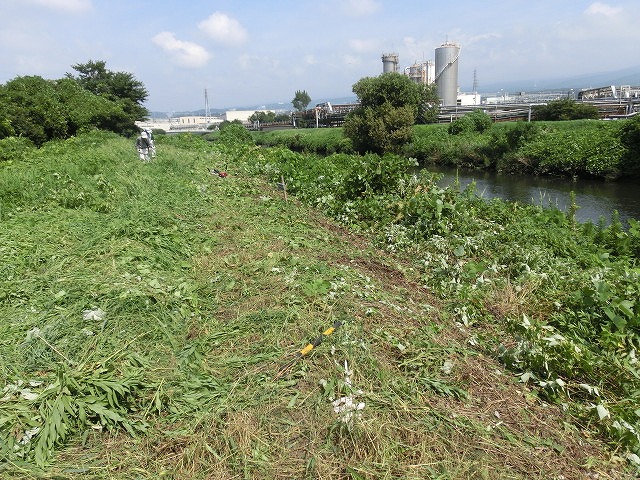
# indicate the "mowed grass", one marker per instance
pixel 208 286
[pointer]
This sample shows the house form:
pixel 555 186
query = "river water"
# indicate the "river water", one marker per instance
pixel 594 198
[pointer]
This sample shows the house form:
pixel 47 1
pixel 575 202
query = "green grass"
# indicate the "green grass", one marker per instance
pixel 208 286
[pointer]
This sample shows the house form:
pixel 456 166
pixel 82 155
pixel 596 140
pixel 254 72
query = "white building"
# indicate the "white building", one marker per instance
pixel 468 99
pixel 242 115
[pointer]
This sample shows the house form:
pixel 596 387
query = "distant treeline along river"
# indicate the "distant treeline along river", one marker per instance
pixel 595 198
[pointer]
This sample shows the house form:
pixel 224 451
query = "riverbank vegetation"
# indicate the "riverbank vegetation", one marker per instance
pixel 582 148
pixel 147 310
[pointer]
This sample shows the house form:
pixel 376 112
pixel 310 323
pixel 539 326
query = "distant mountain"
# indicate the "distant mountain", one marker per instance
pixel 626 76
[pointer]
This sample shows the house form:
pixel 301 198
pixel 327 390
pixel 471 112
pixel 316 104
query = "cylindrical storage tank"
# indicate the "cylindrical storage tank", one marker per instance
pixel 447 72
pixel 389 62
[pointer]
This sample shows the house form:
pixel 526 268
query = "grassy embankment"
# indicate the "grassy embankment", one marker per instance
pixel 146 309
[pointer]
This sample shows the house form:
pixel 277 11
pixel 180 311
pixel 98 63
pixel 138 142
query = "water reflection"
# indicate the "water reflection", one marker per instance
pixel 594 198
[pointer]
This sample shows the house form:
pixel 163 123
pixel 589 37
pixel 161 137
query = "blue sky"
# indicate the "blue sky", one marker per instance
pixel 254 52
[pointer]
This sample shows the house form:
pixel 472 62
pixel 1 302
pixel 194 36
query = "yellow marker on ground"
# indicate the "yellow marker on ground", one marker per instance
pixel 309 347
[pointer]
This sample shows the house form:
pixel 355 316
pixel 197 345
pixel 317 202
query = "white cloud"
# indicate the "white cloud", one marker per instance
pixel 259 63
pixel 310 59
pixel 224 29
pixel 73 6
pixel 481 37
pixel 363 45
pixel 360 8
pixel 599 8
pixel 187 54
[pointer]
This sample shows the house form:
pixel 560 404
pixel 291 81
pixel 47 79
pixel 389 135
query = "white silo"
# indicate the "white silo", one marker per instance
pixel 447 72
pixel 389 62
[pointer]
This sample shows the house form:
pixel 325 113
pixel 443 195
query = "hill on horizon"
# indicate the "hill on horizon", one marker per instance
pixel 626 76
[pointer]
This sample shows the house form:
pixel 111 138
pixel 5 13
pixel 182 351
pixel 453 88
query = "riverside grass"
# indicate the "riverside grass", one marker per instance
pixel 206 285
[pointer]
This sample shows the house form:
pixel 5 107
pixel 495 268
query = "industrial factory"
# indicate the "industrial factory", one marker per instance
pixel 612 102
pixel 443 72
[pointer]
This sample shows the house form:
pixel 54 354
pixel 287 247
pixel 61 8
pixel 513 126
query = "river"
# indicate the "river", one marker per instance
pixel 595 198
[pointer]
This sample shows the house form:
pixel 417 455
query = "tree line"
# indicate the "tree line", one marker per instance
pixel 40 110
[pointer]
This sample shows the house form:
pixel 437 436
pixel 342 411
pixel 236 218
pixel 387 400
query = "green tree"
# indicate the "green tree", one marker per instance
pixel 565 109
pixel 120 87
pixel 263 117
pixel 429 106
pixel 32 109
pixel 389 106
pixel 301 100
pixel 379 130
pixel 225 123
pixel 84 110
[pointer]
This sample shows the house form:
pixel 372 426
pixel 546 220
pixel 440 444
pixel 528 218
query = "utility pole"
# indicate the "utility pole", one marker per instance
pixel 207 114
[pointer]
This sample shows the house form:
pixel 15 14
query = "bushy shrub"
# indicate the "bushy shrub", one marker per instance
pixel 594 150
pixel 521 133
pixel 380 129
pixel 44 110
pixel 476 121
pixel 234 133
pixel 389 106
pixel 565 109
pixel 504 141
pixel 14 148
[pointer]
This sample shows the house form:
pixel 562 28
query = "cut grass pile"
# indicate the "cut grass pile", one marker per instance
pixel 146 311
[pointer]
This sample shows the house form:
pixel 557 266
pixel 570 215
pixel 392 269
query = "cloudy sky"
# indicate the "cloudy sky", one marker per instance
pixel 252 52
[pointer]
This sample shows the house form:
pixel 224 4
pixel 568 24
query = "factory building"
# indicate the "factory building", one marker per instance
pixel 443 72
pixel 423 73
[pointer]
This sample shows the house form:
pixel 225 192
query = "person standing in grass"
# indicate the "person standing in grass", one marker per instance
pixel 152 143
pixel 143 144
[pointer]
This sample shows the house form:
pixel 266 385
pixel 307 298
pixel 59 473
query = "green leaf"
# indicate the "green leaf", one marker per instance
pixel 626 306
pixel 619 322
pixel 105 413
